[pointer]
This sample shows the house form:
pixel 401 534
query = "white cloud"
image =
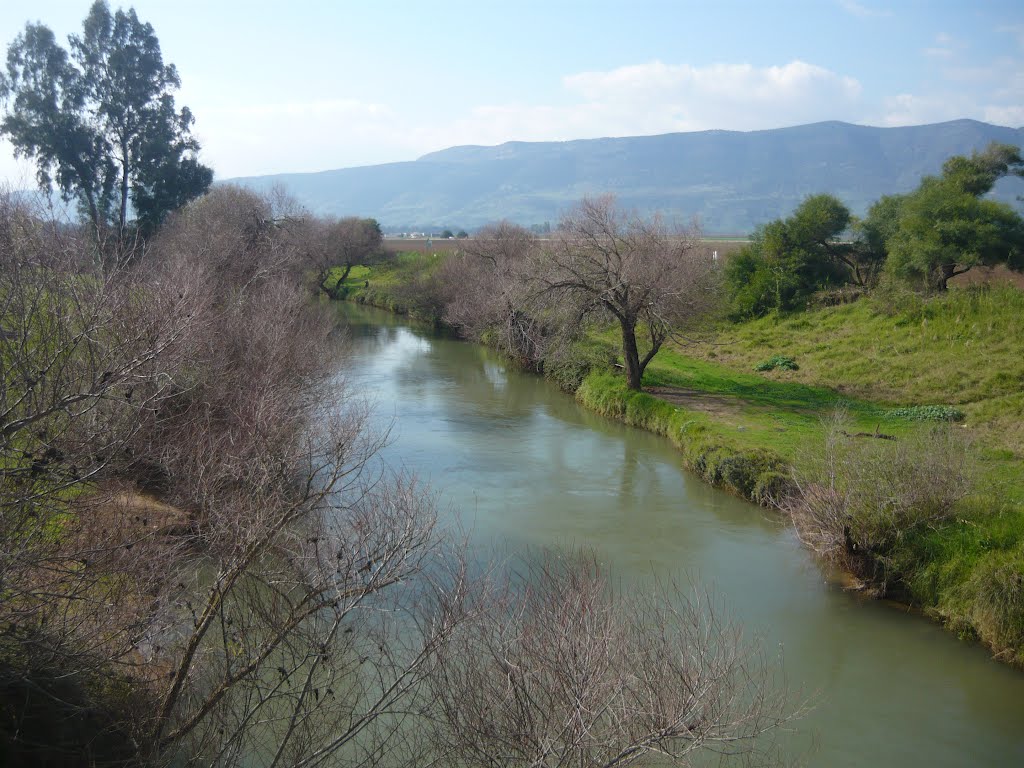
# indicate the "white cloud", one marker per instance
pixel 909 109
pixel 657 96
pixel 286 136
pixel 946 47
pixel 1002 79
pixel 1012 116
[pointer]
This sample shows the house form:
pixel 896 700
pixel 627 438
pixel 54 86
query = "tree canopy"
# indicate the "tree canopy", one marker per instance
pixel 789 259
pixel 946 227
pixel 638 271
pixel 100 122
pixel 343 242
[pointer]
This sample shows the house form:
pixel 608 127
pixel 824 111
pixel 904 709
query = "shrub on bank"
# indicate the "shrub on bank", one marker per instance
pixel 757 475
pixel 569 368
pixel 777 363
pixel 859 498
pixel 996 590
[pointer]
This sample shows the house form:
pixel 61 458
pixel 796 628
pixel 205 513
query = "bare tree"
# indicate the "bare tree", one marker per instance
pixel 647 277
pixel 331 242
pixel 488 290
pixel 563 669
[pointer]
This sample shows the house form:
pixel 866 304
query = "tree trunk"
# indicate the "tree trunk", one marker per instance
pixel 322 282
pixel 123 213
pixel 630 355
pixel 944 273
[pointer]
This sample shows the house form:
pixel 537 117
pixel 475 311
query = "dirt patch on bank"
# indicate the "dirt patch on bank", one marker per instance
pixel 695 400
pixel 123 516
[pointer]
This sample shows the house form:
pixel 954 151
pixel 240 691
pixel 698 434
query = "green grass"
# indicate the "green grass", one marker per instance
pixel 891 359
pixel 384 284
pixel 959 349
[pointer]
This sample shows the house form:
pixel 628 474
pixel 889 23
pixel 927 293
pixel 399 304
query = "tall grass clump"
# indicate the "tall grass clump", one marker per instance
pixel 996 592
pixel 858 499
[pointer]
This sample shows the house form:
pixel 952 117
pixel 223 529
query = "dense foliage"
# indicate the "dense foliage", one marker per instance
pixel 99 120
pixel 942 229
pixel 945 227
pixel 789 259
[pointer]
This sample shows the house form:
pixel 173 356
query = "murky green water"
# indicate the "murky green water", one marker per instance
pixel 524 466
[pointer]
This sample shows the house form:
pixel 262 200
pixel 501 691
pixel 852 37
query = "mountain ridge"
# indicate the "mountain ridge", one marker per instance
pixel 731 180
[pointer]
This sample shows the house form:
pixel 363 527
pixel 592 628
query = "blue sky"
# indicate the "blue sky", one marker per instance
pixel 314 85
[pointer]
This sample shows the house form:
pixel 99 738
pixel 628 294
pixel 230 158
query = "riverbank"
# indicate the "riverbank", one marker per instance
pixel 891 369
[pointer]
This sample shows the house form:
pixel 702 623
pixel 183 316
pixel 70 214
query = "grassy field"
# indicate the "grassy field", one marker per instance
pixel 888 364
pixel 964 349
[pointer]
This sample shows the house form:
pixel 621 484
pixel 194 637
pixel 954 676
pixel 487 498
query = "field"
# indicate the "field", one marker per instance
pixel 421 245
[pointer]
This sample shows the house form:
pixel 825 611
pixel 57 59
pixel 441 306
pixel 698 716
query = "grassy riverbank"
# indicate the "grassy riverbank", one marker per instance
pixel 891 365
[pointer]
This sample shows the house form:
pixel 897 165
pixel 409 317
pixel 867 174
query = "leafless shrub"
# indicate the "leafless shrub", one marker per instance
pixel 79 363
pixel 564 669
pixel 488 291
pixel 81 352
pixel 857 497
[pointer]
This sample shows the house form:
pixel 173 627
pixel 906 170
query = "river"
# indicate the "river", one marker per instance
pixel 521 465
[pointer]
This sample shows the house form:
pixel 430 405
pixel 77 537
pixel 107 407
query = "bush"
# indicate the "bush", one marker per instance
pixel 926 413
pixel 777 362
pixel 569 367
pixel 858 498
pixel 759 476
pixel 771 487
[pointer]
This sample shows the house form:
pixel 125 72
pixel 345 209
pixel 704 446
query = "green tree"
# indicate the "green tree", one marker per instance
pixel 789 259
pixel 977 174
pixel 946 227
pixel 100 122
pixel 877 229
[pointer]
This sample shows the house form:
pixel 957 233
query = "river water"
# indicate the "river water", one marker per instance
pixel 521 465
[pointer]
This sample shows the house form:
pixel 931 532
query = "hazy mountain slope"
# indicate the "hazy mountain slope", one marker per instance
pixel 731 180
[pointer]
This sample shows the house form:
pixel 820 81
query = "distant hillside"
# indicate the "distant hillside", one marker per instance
pixel 731 180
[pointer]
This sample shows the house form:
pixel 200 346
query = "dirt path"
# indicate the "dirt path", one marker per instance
pixel 695 400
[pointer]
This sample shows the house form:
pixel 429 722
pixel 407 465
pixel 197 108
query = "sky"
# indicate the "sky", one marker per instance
pixel 311 85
